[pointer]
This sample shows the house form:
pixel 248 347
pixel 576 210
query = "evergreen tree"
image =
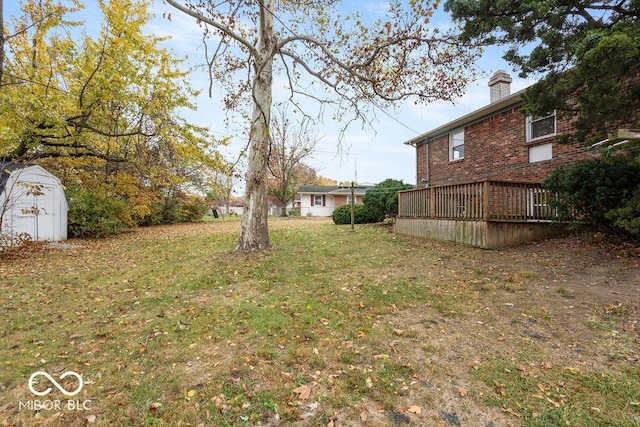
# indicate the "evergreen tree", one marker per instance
pixel 588 52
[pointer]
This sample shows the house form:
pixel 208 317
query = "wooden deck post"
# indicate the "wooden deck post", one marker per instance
pixel 486 200
pixel 432 203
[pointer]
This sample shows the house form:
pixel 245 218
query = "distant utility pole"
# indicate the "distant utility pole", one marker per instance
pixel 353 208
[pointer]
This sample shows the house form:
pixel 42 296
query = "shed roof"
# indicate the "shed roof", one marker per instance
pixel 492 109
pixel 6 169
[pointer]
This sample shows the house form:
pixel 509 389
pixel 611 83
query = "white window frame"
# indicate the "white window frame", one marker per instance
pixel 540 153
pixel 452 147
pixel 530 122
pixel 315 199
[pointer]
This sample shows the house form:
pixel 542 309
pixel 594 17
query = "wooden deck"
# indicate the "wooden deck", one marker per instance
pixel 488 214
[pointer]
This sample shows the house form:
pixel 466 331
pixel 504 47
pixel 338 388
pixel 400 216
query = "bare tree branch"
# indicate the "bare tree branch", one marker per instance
pixel 222 28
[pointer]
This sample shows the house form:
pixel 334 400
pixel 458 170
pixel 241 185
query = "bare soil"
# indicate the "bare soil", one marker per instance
pixel 566 300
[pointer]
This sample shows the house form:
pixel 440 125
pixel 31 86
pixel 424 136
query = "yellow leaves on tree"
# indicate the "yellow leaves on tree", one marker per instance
pixel 102 111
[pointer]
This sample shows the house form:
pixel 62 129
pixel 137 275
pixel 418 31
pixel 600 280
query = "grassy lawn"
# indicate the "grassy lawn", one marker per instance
pixel 168 327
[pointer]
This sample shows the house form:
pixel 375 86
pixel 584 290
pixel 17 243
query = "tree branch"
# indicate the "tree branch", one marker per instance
pixel 216 25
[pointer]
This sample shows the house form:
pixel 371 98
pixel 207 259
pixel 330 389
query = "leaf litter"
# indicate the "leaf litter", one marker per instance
pixel 140 318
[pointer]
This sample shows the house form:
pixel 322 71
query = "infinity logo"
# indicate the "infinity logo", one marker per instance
pixel 55 383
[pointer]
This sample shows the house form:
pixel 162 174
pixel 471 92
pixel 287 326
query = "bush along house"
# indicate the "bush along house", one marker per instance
pixel 479 176
pixel 322 200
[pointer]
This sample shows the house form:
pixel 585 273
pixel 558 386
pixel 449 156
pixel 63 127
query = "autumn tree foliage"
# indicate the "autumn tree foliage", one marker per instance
pixel 321 180
pixel 100 111
pixel 588 52
pixel 328 54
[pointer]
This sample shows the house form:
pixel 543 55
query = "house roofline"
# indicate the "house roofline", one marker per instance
pixel 492 109
pixel 331 189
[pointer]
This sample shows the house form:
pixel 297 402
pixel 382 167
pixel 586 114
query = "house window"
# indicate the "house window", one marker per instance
pixel 540 127
pixel 317 200
pixel 456 145
pixel 540 153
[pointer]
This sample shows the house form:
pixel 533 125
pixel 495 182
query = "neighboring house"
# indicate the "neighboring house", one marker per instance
pixel 236 207
pixel 495 142
pixel 321 200
pixel 32 201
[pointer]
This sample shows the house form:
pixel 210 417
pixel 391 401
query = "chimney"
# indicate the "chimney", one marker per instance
pixel 499 85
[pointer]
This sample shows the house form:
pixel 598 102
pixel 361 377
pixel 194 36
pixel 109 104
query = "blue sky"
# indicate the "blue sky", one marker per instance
pixel 373 154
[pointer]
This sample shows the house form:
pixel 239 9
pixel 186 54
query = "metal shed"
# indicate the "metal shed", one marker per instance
pixel 32 201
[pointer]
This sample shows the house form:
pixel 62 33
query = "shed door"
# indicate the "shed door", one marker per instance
pixel 34 214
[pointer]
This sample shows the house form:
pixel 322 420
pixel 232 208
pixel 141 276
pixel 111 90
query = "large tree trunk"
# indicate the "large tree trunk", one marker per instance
pixel 254 233
pixel 283 209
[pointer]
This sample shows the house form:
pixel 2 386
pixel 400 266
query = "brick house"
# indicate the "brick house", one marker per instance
pixel 479 176
pixel 495 142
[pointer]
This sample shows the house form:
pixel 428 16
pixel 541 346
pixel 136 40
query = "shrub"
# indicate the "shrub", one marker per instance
pixel 362 215
pixel 596 191
pixel 167 211
pixel 382 200
pixel 171 210
pixel 192 209
pixel 627 216
pixel 96 213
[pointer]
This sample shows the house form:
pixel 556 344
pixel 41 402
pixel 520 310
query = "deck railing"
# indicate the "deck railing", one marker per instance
pixel 486 200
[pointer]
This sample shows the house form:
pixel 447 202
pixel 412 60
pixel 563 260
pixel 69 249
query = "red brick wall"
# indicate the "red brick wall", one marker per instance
pixel 495 148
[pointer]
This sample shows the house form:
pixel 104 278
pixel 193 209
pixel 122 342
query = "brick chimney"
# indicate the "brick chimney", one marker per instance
pixel 499 85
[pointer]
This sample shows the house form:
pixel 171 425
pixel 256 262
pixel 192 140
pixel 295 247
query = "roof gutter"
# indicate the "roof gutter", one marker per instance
pixel 497 107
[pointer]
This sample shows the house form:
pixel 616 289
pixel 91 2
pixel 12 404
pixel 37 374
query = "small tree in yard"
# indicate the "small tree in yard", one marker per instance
pixel 382 200
pixel 291 145
pixel 318 45
pixel 221 186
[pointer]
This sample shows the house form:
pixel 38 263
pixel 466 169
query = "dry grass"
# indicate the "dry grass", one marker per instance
pixel 168 327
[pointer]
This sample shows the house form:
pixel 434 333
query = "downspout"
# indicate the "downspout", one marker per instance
pixel 428 179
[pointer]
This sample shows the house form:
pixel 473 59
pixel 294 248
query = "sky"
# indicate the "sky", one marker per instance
pixel 365 155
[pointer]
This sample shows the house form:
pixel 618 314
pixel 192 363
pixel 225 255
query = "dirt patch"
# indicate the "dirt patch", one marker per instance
pixel 563 300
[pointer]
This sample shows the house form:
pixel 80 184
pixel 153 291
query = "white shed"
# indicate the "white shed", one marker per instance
pixel 32 201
